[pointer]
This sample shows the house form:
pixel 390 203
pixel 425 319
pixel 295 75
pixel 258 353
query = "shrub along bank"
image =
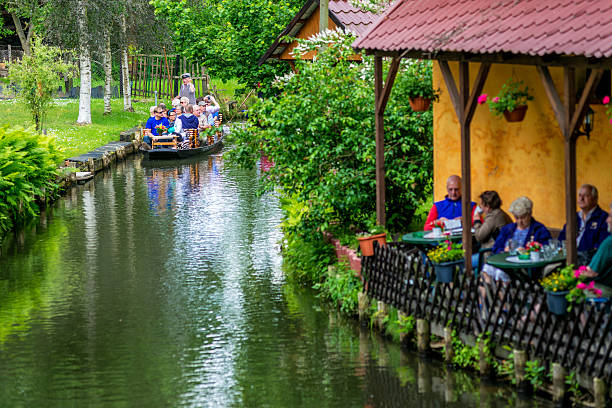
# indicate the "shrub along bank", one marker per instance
pixel 28 170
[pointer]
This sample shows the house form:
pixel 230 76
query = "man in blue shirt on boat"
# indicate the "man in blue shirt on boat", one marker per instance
pixel 152 123
pixel 592 227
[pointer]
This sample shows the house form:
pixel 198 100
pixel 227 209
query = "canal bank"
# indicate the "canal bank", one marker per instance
pixel 163 286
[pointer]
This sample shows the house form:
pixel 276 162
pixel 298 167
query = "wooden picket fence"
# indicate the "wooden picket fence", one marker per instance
pixel 162 74
pixel 515 314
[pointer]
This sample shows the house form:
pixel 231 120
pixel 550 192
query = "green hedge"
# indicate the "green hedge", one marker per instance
pixel 28 170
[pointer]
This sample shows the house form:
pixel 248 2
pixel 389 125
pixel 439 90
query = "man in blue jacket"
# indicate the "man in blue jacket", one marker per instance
pixel 450 207
pixel 592 227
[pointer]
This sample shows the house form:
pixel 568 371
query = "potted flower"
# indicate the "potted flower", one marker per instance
pixel 565 287
pixel 438 227
pixel 366 240
pixel 161 129
pixel 533 249
pixel 445 257
pixel 511 101
pixel 418 80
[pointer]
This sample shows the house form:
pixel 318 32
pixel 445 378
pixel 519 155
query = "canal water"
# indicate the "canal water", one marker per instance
pixel 161 285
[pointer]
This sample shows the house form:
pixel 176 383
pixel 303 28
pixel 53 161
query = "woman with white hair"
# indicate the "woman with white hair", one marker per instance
pixel 524 230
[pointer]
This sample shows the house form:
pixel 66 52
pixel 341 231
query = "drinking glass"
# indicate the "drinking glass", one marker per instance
pixel 512 246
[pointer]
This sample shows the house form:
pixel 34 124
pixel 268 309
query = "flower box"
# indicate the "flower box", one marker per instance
pixel 420 104
pixel 444 271
pixel 517 115
pixel 556 301
pixel 367 243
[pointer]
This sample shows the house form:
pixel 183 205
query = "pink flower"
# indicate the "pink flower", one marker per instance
pixel 582 268
pixel 449 248
pixel 610 120
pixel 577 273
pixel 597 292
pixel 591 285
pixel 482 99
pixel 581 286
pixel 606 100
pixel 496 99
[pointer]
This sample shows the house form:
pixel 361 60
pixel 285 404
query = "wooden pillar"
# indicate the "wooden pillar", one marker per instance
pixel 465 103
pixel 569 96
pixel 381 94
pixel 423 336
pixel 558 374
pixel 466 178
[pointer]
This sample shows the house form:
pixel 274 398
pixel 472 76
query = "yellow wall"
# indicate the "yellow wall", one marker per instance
pixel 524 158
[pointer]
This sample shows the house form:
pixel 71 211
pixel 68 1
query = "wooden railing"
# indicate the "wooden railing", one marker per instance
pixel 514 314
pixel 162 74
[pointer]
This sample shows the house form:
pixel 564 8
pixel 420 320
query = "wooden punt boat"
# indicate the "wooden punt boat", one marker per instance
pixel 171 154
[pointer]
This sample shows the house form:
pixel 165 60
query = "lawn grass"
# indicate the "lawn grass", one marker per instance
pixel 61 122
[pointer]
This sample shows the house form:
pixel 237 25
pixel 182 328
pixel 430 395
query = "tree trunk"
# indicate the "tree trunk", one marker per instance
pixel 125 72
pixel 23 38
pixel 85 65
pixel 108 72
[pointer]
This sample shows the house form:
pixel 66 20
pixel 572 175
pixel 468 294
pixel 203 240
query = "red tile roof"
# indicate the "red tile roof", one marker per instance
pixel 527 27
pixel 341 12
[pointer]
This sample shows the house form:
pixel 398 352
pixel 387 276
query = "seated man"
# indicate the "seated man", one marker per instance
pixel 450 207
pixel 151 125
pixel 188 121
pixel 592 227
pixel 600 267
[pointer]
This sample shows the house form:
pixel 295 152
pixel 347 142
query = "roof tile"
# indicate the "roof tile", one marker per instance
pixel 533 27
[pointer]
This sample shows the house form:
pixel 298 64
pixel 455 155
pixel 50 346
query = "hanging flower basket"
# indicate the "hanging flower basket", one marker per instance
pixel 420 104
pixel 556 301
pixel 517 115
pixel 367 243
pixel 444 271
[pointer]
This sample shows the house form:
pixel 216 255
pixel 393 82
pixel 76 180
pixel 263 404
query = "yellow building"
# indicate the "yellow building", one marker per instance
pixel 520 158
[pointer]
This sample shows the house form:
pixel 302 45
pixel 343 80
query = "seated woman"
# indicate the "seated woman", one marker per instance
pixel 524 230
pixel 488 222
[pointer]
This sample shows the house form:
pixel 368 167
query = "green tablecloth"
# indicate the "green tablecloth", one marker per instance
pixel 499 261
pixel 417 238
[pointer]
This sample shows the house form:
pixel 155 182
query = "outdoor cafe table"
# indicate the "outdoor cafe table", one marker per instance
pixel 524 269
pixel 418 238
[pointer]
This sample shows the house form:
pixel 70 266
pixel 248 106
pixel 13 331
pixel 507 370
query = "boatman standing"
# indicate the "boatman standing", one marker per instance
pixel 187 88
pixel 450 207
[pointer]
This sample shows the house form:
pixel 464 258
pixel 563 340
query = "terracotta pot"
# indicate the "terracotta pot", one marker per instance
pixel 517 115
pixel 367 243
pixel 420 104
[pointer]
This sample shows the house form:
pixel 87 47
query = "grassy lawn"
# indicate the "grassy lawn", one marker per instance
pixel 61 122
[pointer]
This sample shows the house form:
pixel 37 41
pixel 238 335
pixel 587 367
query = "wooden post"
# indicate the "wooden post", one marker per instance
pixel 381 98
pixel 599 392
pixel 423 336
pixel 363 305
pixel 484 363
pixel 448 346
pixel 520 361
pixel 383 311
pixel 558 379
pixel 323 15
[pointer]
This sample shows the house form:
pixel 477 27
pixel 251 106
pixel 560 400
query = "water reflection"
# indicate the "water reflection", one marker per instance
pixel 160 284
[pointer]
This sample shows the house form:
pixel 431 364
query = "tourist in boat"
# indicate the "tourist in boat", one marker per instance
pixel 187 89
pixel 152 111
pixel 164 109
pixel 152 124
pixel 171 120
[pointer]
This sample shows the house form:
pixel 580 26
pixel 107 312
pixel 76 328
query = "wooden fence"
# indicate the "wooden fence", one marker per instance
pixel 162 74
pixel 515 314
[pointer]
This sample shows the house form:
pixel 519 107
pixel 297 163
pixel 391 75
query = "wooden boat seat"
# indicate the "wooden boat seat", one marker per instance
pixel 192 135
pixel 163 141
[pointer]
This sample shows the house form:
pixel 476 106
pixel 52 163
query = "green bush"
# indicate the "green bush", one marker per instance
pixel 342 287
pixel 28 168
pixel 319 131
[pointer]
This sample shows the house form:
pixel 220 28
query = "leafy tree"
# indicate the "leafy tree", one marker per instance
pixel 228 36
pixel 37 76
pixel 319 132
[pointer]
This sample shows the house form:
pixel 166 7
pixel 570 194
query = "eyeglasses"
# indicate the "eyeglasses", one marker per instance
pixel 158 111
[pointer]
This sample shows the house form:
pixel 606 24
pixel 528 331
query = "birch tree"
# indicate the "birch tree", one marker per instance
pixel 108 72
pixel 125 74
pixel 85 65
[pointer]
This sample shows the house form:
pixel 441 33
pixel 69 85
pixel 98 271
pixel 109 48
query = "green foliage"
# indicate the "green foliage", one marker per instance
pixel 27 173
pixel 573 385
pixel 228 36
pixel 319 131
pixel 37 76
pixel 464 356
pixel 513 93
pixel 446 251
pixel 535 373
pixel 342 287
pixel 406 324
pixel 418 80
pixel 505 367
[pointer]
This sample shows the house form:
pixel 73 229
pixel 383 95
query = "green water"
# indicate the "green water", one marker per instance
pixel 161 286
